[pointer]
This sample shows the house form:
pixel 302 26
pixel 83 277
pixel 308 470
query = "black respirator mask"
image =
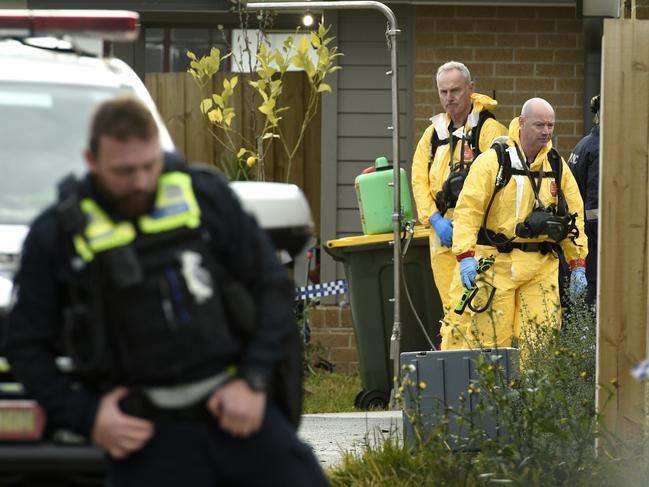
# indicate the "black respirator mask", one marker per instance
pixel 447 197
pixel 544 221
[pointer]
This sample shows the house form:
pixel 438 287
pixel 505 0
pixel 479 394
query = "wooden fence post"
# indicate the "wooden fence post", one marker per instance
pixel 624 222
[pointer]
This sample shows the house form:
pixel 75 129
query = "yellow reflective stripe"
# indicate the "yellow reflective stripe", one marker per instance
pixel 101 233
pixel 175 205
pixel 82 248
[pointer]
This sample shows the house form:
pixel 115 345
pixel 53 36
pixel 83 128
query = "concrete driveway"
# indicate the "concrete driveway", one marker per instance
pixel 331 434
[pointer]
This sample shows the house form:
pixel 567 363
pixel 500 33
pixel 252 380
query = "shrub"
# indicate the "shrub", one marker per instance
pixel 546 417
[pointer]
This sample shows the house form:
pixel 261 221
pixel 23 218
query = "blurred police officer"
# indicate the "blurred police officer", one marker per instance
pixel 584 163
pixel 442 160
pixel 127 270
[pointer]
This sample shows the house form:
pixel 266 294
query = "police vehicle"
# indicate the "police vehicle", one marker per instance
pixel 48 88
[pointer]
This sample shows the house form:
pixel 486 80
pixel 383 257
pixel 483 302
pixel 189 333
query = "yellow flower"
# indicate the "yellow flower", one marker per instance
pixel 251 161
pixel 583 374
pixel 422 385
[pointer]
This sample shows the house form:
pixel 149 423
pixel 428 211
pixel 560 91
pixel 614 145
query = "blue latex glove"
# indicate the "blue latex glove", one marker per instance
pixel 443 228
pixel 578 281
pixel 468 271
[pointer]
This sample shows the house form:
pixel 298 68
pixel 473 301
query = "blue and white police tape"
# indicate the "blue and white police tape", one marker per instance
pixel 319 290
pixel 641 371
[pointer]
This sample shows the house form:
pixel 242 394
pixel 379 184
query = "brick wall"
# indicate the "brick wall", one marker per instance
pixel 333 338
pixel 520 52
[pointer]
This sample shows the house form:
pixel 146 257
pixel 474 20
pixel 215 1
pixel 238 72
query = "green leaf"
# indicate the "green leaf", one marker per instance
pixel 276 87
pixel 228 116
pixel 233 81
pixel 191 55
pixel 206 105
pixel 309 68
pixel 322 30
pixel 297 61
pixel 304 45
pixel 210 66
pixel 324 87
pixel 315 40
pixel 218 99
pixel 215 116
pixel 267 107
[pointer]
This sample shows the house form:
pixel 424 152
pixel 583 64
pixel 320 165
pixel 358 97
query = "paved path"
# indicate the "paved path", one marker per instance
pixel 330 434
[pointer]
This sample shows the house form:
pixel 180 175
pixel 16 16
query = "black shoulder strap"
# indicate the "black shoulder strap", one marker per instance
pixel 68 209
pixel 504 165
pixel 502 178
pixel 556 165
pixel 557 169
pixel 434 144
pixel 475 136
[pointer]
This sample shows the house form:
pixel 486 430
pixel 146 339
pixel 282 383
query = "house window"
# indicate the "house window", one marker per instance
pixel 166 48
pixel 242 58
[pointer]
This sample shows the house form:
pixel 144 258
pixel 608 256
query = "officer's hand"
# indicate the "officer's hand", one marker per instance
pixel 443 228
pixel 468 271
pixel 239 409
pixel 117 433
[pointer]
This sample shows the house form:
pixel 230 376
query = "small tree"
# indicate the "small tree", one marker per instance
pixel 267 83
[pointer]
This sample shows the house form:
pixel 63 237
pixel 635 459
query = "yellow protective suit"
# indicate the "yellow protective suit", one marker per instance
pixel 526 283
pixel 427 180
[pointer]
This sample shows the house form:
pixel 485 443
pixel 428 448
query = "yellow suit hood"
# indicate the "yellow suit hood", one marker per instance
pixel 481 102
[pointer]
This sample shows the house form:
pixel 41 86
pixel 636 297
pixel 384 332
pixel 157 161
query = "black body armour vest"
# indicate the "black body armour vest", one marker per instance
pixel 146 307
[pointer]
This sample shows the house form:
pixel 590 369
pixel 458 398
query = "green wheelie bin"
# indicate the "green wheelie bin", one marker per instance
pixel 368 264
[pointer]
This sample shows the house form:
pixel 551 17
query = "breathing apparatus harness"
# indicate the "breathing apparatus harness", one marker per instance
pixel 553 221
pixel 447 197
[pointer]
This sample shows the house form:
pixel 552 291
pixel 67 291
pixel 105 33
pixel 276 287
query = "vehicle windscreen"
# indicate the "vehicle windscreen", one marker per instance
pixel 43 132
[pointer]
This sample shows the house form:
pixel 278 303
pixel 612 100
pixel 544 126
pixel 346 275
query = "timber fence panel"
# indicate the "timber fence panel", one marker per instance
pixel 624 226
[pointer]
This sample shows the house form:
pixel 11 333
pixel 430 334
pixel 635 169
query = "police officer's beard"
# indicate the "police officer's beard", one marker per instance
pixel 134 204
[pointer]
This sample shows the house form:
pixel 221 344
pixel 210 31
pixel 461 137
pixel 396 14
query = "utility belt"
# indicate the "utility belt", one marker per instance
pixel 136 403
pixel 507 246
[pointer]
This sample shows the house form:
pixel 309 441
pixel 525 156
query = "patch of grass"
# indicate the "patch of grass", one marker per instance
pixel 329 392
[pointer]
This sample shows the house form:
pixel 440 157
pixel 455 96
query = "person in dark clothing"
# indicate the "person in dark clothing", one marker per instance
pixel 125 275
pixel 584 163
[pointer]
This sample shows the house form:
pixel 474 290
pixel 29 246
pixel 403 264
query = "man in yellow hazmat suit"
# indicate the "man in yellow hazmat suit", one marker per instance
pixel 519 209
pixel 465 129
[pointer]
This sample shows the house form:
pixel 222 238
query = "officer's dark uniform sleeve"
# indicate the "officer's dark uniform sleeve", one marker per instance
pixel 591 200
pixel 34 331
pixel 585 167
pixel 248 253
